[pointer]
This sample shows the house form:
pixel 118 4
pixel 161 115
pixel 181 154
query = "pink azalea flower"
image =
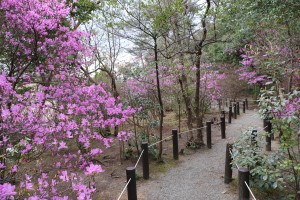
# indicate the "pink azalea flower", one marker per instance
pixel 96 151
pixel 62 145
pixel 93 169
pixel 7 190
pixel 64 176
pixel 2 166
pixel 14 168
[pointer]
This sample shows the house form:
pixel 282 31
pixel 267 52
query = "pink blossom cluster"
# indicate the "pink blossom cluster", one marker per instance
pixel 291 108
pixel 124 135
pixel 54 116
pixel 7 191
pixel 252 77
pixel 93 169
pixel 210 84
pixel 247 73
pixel 35 28
pixel 210 81
pixel 146 84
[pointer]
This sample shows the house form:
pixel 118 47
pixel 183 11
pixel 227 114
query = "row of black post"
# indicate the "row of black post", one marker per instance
pixel 234 109
pixel 130 171
pixel 243 175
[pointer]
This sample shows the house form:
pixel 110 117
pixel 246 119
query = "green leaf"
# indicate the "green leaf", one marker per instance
pixel 275 185
pixel 265 177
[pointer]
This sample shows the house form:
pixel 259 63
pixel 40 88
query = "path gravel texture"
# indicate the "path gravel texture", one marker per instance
pixel 200 176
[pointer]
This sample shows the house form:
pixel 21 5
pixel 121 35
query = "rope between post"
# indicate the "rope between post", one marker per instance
pixel 178 133
pixel 247 100
pixel 216 124
pixel 124 188
pixel 250 190
pixel 192 130
pixel 160 141
pixel 232 157
pixel 137 162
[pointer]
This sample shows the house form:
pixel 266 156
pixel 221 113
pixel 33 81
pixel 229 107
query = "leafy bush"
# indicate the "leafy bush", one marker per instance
pixel 153 150
pixel 247 152
pixel 277 170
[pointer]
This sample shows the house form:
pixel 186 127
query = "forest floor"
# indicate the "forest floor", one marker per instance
pixel 197 175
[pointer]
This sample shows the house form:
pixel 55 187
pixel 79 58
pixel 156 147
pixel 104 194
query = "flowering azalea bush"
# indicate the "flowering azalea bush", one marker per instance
pixel 270 62
pixel 211 85
pixel 247 73
pixel 270 58
pixel 47 108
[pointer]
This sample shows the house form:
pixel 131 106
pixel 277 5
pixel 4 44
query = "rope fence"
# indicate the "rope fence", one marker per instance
pixel 233 111
pixel 164 139
pixel 252 100
pixel 160 141
pixel 250 190
pixel 192 130
pixel 124 189
pixel 137 162
pixel 231 154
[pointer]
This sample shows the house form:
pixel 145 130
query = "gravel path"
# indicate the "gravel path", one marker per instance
pixel 200 176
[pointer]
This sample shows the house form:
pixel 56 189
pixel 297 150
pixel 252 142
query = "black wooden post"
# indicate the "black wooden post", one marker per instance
pixel 145 160
pixel 268 141
pixel 234 111
pixel 270 129
pixel 223 127
pixel 246 101
pixel 131 188
pixel 244 193
pixel 229 114
pixel 267 128
pixel 244 106
pixel 238 108
pixel 253 137
pixel 223 113
pixel 208 134
pixel 228 165
pixel 175 144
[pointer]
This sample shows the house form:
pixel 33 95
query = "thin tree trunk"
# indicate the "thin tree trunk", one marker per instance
pixel 199 117
pixel 187 101
pixel 161 108
pixel 116 95
pixel 293 57
pixel 179 116
pixel 135 136
pixel 184 87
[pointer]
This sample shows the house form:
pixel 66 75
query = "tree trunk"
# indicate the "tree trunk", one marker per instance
pixel 199 46
pixel 161 108
pixel 116 95
pixel 179 116
pixel 184 86
pixel 187 101
pixel 199 118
